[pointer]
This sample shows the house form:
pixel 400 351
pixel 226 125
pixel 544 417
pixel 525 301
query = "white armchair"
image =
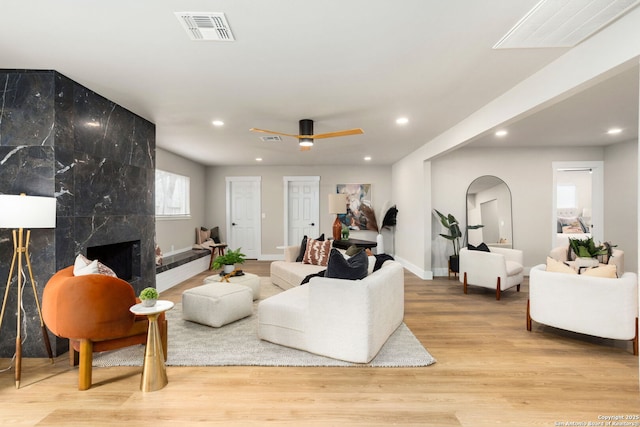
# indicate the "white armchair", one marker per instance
pixel 597 306
pixel 499 269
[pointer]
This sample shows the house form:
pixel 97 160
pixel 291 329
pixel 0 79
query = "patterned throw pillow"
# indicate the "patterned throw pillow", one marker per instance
pixel 317 252
pixel 83 266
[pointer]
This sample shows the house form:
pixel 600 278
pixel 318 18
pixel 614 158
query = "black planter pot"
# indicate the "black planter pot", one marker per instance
pixel 454 263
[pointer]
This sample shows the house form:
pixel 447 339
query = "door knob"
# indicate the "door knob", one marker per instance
pixel 233 223
pixel 312 224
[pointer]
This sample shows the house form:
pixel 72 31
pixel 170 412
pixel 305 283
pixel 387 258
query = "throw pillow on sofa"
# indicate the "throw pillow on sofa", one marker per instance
pixel 303 247
pixel 317 252
pixel 353 268
pixel 602 271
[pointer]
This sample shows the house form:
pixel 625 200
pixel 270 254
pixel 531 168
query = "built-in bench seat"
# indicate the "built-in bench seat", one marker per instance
pixel 181 266
pixel 176 260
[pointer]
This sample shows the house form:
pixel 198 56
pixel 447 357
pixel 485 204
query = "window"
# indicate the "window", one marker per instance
pixel 566 196
pixel 172 195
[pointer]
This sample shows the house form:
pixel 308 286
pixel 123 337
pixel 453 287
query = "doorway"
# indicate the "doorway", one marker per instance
pixel 243 214
pixel 578 201
pixel 301 208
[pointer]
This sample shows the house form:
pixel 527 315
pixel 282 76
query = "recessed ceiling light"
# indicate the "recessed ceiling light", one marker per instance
pixel 501 133
pixel 367 158
pixel 258 159
pixel 218 123
pixel 402 121
pixel 614 131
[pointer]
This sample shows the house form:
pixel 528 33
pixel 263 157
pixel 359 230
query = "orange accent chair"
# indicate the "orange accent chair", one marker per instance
pixel 92 311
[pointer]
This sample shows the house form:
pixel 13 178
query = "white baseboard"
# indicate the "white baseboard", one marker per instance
pixel 170 278
pixel 421 273
pixel 271 257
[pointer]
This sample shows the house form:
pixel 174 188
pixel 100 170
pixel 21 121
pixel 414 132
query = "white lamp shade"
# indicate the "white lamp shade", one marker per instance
pixel 27 211
pixel 337 204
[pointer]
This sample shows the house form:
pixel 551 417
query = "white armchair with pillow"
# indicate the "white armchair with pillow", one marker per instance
pixel 499 268
pixel 605 307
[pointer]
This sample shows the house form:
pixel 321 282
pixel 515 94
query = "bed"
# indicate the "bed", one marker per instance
pixel 571 226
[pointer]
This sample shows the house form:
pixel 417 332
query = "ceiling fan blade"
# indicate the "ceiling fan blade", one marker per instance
pixel 273 132
pixel 347 132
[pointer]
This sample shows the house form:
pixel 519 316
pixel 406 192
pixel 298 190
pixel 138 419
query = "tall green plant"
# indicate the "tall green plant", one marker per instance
pixel 452 225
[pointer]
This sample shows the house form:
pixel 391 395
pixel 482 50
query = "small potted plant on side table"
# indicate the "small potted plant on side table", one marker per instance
pixel 149 296
pixel 229 260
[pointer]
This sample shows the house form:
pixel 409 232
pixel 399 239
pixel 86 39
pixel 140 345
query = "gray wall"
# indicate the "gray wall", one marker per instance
pixel 273 196
pixel 178 235
pixel 528 173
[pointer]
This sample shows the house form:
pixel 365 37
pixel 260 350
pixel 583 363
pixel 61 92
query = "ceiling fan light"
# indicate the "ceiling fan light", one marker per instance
pixel 306 142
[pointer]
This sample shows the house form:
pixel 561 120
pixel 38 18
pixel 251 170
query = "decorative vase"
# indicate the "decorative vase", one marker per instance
pixel 149 302
pixel 586 262
pixel 228 268
pixel 379 244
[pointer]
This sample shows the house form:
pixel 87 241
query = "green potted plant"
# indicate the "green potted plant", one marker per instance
pixel 587 251
pixel 149 296
pixel 451 224
pixel 229 260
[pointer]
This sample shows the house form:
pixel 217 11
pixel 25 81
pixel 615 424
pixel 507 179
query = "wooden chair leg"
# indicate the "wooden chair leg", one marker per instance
pixel 73 355
pixel 86 359
pixel 528 317
pixel 635 340
pixel 464 287
pixel 498 290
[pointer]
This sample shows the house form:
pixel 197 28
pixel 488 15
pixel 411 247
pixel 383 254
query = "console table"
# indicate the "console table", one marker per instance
pixel 344 244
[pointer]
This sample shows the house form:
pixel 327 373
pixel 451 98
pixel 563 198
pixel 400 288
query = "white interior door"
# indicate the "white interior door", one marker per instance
pixel 302 208
pixel 243 215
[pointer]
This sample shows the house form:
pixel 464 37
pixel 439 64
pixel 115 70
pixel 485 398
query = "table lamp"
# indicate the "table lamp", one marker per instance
pixel 337 206
pixel 25 212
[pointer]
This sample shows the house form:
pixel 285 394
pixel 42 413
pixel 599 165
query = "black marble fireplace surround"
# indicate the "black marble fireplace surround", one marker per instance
pixel 58 138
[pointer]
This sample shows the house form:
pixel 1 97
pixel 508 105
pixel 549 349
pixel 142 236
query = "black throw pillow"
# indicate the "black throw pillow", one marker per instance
pixel 481 247
pixel 354 268
pixel 303 247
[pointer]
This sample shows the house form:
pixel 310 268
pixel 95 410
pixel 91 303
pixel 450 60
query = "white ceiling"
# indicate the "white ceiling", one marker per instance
pixel 344 64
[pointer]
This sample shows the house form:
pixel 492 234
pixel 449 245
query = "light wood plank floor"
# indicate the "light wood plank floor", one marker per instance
pixel 490 371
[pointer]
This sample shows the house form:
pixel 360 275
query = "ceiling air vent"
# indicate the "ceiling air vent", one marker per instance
pixel 271 138
pixel 206 25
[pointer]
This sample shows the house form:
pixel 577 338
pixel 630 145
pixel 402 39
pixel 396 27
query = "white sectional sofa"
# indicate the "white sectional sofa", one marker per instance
pixel 348 320
pixel 289 273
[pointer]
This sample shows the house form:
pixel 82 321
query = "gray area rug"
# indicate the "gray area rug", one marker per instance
pixel 237 344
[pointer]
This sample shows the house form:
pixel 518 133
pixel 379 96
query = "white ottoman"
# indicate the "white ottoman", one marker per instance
pixel 216 304
pixel 248 279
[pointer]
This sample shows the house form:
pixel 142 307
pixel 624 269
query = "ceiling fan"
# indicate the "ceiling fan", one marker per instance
pixel 306 136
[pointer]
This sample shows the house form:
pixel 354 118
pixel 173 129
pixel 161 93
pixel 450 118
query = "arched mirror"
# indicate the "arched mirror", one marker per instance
pixel 489 205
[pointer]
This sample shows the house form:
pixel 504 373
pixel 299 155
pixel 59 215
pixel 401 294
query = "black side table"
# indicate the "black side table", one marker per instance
pixel 344 244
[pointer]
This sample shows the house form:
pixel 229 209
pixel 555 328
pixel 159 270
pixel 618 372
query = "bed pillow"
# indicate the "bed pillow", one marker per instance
pixel 556 266
pixel 317 252
pixel 352 268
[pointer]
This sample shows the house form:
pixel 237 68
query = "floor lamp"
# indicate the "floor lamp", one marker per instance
pixel 337 206
pixel 20 213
